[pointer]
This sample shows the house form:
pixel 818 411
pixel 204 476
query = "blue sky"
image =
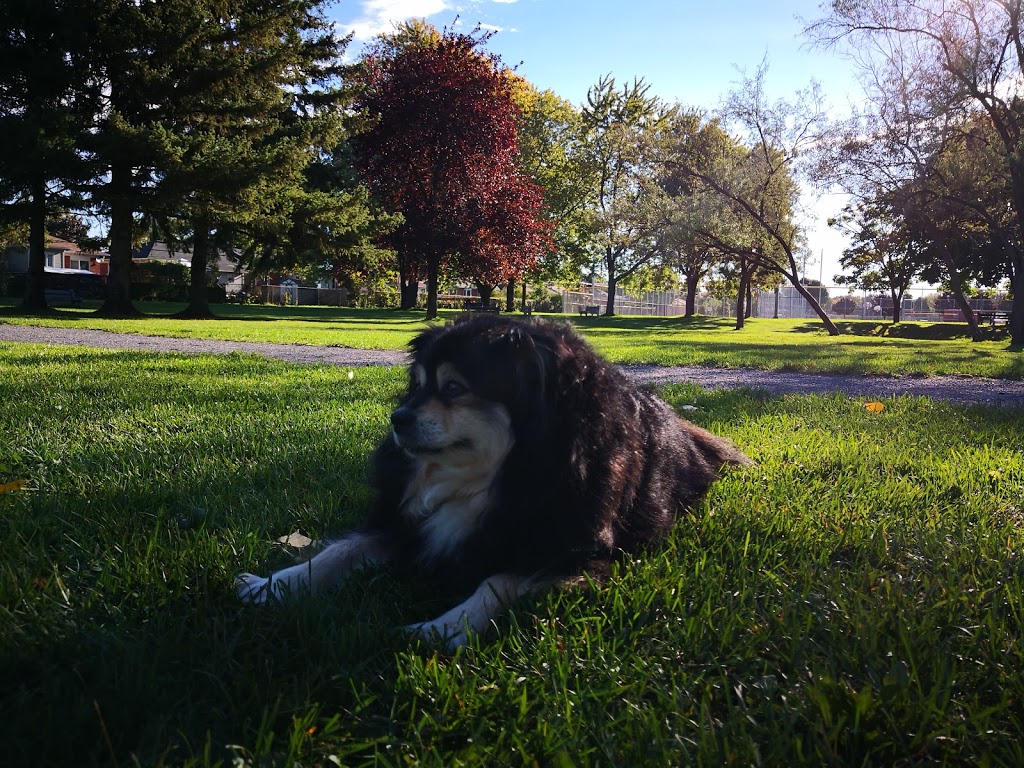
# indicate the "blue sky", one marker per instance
pixel 687 51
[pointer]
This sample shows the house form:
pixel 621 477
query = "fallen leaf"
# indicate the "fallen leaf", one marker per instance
pixel 17 485
pixel 874 407
pixel 295 540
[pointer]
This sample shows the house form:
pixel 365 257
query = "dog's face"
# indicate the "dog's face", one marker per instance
pixel 469 384
pixel 444 420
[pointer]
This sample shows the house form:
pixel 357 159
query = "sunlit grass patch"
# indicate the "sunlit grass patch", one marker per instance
pixel 853 598
pixel 866 347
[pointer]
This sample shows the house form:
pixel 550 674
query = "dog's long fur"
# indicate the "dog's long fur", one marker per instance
pixel 517 458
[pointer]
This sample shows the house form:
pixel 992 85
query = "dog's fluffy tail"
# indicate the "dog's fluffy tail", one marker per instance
pixel 718 452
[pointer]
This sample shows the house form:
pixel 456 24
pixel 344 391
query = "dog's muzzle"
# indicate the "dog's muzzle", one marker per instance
pixel 403 419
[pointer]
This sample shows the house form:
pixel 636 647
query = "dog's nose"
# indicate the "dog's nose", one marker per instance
pixel 402 418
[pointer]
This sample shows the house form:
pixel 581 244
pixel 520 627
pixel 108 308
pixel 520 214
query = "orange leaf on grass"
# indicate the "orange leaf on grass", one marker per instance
pixel 17 485
pixel 874 407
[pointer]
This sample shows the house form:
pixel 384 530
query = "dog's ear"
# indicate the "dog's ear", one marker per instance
pixel 526 361
pixel 423 341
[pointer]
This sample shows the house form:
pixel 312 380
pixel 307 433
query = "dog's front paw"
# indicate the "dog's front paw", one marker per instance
pixel 252 588
pixel 452 636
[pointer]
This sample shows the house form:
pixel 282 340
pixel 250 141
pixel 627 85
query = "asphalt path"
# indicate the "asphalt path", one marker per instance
pixel 957 389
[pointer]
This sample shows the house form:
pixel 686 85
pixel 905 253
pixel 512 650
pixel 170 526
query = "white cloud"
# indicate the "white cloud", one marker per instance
pixel 379 16
pixel 506 1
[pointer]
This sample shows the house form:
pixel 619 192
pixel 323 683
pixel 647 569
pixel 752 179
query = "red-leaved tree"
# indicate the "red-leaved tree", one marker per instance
pixel 442 151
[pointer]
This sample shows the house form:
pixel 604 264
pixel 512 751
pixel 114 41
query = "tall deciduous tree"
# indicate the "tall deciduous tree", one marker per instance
pixel 956 205
pixel 443 152
pixel 620 127
pixel 935 60
pixel 884 254
pixel 551 152
pixel 46 103
pixel 700 229
pixel 760 185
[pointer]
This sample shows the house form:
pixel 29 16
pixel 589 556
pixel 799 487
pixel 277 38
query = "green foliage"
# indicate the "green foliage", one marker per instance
pixel 543 299
pixel 620 125
pixel 467 208
pixel 162 272
pixel 855 598
pixel 552 147
pixel 46 110
pixel 161 281
pixel 751 181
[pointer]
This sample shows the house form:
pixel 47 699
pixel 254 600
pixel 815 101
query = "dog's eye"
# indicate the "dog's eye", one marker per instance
pixel 453 388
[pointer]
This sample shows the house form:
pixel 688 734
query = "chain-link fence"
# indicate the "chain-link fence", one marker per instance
pixel 288 295
pixel 840 302
pixel 655 303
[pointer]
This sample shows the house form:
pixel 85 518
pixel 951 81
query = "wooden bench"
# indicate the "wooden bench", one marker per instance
pixel 479 306
pixel 991 315
pixel 65 296
pixel 590 309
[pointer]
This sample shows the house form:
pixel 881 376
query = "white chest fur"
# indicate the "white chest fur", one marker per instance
pixel 448 501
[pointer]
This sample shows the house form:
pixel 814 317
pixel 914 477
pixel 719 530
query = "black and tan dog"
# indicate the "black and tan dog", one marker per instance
pixel 516 458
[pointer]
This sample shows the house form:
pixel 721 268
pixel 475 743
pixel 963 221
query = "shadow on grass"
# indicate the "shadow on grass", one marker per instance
pixel 241 312
pixel 52 313
pixel 913 331
pixel 651 324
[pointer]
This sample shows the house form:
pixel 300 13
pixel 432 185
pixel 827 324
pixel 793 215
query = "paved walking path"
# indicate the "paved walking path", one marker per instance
pixel 958 389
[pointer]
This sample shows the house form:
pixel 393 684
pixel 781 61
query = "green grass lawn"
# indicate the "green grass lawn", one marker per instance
pixel 792 345
pixel 855 598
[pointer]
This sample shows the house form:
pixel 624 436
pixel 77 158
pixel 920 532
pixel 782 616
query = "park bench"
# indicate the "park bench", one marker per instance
pixel 65 296
pixel 991 315
pixel 479 306
pixel 590 309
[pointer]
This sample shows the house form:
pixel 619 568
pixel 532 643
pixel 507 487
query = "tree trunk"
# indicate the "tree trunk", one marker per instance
pixel 741 296
pixel 610 305
pixel 750 298
pixel 897 305
pixel 433 266
pixel 809 298
pixel 523 305
pixel 956 286
pixel 198 296
pixel 1016 256
pixel 485 292
pixel 35 280
pixel 777 291
pixel 408 292
pixel 510 296
pixel 1017 308
pixel 691 296
pixel 118 302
